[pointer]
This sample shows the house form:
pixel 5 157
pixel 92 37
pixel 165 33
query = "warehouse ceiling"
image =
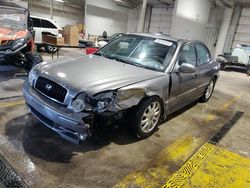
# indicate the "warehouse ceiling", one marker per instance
pixel 136 3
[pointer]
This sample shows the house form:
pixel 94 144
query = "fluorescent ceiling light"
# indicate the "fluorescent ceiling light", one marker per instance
pixel 61 1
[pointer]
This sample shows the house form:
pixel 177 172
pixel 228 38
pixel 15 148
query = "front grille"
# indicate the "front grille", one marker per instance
pixel 51 89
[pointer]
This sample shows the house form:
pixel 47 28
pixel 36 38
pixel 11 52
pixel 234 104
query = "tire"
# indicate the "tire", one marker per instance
pixel 38 47
pixel 33 58
pixel 222 66
pixel 208 92
pixel 141 129
pixel 50 49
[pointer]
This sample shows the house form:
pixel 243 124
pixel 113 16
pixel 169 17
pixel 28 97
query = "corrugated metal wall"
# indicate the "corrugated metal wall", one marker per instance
pixel 161 20
pixel 213 27
pixel 62 15
pixel 242 35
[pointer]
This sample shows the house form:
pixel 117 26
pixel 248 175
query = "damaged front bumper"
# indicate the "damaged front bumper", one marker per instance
pixel 74 127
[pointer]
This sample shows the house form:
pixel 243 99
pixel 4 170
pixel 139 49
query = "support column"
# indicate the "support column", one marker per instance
pixel 233 28
pixel 225 24
pixel 51 9
pixel 142 16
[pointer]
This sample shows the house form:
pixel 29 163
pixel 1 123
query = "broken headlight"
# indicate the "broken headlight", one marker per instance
pixel 104 101
pixel 99 103
pixel 78 105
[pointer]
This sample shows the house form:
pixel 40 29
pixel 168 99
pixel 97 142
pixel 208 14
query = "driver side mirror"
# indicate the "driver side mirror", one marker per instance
pixel 187 68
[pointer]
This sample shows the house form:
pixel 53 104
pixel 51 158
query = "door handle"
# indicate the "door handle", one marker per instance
pixel 195 75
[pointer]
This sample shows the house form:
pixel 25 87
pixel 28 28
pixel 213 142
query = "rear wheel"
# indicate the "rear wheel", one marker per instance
pixel 50 49
pixel 33 58
pixel 147 117
pixel 208 92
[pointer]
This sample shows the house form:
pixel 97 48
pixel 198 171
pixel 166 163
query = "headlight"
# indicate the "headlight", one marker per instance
pixel 103 104
pixel 32 76
pixel 17 43
pixel 78 105
pixel 99 103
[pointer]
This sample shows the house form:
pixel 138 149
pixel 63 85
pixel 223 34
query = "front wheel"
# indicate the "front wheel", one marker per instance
pixel 32 58
pixel 147 117
pixel 208 92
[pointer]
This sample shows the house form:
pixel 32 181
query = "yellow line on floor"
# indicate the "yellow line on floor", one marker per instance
pixel 214 167
pixel 11 103
pixel 158 170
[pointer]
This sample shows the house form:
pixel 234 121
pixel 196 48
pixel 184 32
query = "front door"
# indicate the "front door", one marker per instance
pixel 184 85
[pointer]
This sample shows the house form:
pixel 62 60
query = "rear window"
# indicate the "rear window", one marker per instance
pixel 36 22
pixel 48 24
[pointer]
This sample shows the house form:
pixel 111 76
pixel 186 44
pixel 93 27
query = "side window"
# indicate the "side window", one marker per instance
pixel 187 54
pixel 36 22
pixel 202 54
pixel 47 24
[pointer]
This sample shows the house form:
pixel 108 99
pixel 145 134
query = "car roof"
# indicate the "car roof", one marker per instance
pixel 47 19
pixel 158 36
pixel 165 37
pixel 41 18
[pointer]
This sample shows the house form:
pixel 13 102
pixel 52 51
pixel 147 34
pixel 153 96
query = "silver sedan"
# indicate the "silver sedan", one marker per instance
pixel 144 77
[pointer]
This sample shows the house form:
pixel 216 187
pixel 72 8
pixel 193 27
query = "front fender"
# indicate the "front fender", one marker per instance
pixel 131 95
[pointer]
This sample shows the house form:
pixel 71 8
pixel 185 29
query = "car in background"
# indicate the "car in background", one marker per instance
pixel 41 25
pixel 17 46
pixel 102 41
pixel 240 57
pixel 138 77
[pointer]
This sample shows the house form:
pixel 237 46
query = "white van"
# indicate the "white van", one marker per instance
pixel 44 25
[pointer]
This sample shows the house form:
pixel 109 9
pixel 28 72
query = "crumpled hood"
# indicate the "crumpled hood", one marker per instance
pixel 7 34
pixel 93 74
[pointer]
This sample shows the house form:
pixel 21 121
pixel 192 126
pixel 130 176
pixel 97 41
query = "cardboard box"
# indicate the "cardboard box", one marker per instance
pixel 49 39
pixel 71 35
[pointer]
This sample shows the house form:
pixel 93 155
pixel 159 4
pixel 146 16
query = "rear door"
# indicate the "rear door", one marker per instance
pixel 184 85
pixel 204 68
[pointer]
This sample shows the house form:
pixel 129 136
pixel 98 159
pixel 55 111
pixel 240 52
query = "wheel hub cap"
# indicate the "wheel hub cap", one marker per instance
pixel 150 117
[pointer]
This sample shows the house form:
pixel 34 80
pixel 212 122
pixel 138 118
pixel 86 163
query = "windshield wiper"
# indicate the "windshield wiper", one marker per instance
pixel 117 58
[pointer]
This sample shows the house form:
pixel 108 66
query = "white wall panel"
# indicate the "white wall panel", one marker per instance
pixel 161 20
pixel 244 20
pixel 62 15
pixel 190 18
pixel 242 35
pixel 243 28
pixel 105 16
pixel 245 12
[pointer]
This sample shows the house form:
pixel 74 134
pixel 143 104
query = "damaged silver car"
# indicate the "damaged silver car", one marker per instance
pixel 142 76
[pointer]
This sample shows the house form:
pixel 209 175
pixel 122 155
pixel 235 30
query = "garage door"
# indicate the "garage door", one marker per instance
pixel 161 20
pixel 242 35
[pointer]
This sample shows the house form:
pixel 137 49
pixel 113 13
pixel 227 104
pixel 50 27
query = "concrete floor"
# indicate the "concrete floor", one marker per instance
pixel 43 159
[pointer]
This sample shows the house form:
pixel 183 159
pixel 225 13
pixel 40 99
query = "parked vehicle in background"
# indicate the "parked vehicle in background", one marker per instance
pixel 240 56
pixel 140 77
pixel 16 37
pixel 41 25
pixel 103 41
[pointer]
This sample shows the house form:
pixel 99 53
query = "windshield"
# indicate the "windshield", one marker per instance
pixel 13 18
pixel 145 52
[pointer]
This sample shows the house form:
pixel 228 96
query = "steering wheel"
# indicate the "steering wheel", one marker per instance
pixel 156 58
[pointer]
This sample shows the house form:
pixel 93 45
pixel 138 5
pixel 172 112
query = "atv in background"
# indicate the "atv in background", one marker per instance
pixel 239 57
pixel 16 37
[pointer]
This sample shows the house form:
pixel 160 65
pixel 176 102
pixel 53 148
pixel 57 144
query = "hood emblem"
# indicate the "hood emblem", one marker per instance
pixel 48 87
